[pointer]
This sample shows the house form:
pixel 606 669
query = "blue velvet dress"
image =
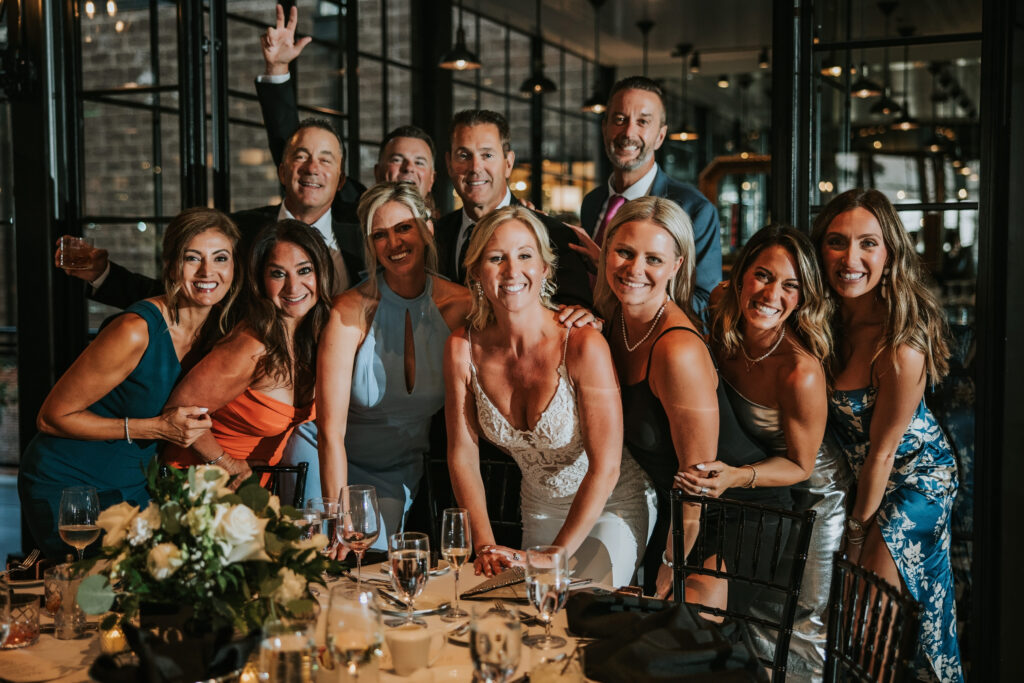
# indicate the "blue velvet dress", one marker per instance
pixel 914 519
pixel 388 430
pixel 115 468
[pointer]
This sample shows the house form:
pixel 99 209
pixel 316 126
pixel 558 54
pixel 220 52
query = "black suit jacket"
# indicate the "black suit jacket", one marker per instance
pixel 122 287
pixel 281 119
pixel 570 275
pixel 703 215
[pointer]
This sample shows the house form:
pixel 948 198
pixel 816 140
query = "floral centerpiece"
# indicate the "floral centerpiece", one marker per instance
pixel 235 558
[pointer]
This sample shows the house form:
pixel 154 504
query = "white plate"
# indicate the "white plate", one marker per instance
pixel 425 605
pixel 442 568
pixel 457 672
pixel 25 583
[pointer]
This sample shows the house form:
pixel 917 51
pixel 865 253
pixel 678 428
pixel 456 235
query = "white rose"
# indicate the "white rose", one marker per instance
pixel 199 520
pixel 142 525
pixel 114 521
pixel 274 504
pixel 163 560
pixel 316 541
pixel 207 482
pixel 292 587
pixel 240 533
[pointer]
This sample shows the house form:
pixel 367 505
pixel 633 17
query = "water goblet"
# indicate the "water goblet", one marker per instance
pixel 327 509
pixel 288 652
pixel 79 509
pixel 409 556
pixel 547 586
pixel 494 643
pixel 456 547
pixel 360 522
pixel 354 631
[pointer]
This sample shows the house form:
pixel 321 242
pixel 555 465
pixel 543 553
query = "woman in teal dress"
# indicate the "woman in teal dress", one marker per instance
pixel 891 342
pixel 379 378
pixel 102 421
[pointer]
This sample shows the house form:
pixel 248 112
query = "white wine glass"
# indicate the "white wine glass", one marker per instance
pixel 495 643
pixel 359 524
pixel 327 509
pixel 456 547
pixel 354 631
pixel 79 509
pixel 547 586
pixel 409 556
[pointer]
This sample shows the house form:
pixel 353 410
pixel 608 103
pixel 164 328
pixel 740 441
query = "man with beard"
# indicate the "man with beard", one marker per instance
pixel 633 128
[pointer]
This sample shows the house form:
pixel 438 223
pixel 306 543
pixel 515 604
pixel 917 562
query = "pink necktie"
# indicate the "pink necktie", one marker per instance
pixel 614 204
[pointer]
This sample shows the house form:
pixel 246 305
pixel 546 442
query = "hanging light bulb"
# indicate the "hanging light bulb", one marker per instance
pixel 459 58
pixel 90 9
pixel 686 133
pixel 111 8
pixel 762 59
pixel 596 104
pixel 695 62
pixel 537 83
pixel 723 81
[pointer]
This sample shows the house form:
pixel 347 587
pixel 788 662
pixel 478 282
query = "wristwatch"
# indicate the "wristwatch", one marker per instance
pixel 855 526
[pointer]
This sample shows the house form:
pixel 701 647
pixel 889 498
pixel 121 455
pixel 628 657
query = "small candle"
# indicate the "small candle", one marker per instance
pixel 113 641
pixel 250 674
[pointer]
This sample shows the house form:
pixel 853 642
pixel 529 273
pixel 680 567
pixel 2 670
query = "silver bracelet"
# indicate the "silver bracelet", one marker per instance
pixel 216 460
pixel 665 561
pixel 127 435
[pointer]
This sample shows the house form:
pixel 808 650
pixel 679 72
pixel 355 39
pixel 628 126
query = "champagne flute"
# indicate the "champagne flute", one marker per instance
pixel 456 547
pixel 354 631
pixel 360 522
pixel 494 643
pixel 79 509
pixel 328 509
pixel 409 556
pixel 547 586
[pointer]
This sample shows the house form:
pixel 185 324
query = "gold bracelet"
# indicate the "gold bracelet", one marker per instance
pixel 753 477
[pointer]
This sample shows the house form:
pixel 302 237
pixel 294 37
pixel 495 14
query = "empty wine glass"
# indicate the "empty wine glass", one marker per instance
pixel 495 637
pixel 326 510
pixel 456 546
pixel 409 556
pixel 547 586
pixel 79 509
pixel 5 610
pixel 354 632
pixel 360 522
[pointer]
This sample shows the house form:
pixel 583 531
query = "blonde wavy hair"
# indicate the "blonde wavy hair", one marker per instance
pixel 481 314
pixel 408 196
pixel 810 322
pixel 914 316
pixel 182 229
pixel 667 215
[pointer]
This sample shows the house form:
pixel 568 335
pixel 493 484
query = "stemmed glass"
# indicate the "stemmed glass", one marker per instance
pixel 354 631
pixel 360 522
pixel 79 509
pixel 327 511
pixel 409 555
pixel 456 546
pixel 494 644
pixel 547 586
pixel 5 609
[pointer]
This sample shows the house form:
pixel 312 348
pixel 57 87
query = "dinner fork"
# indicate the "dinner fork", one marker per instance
pixel 25 564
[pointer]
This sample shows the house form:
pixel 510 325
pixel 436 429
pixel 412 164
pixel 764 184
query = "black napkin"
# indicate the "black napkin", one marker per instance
pixel 644 640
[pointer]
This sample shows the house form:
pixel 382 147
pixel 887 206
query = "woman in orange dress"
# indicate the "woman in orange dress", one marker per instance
pixel 258 382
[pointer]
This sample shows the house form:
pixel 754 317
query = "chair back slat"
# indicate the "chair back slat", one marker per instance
pixel 274 482
pixel 763 565
pixel 872 627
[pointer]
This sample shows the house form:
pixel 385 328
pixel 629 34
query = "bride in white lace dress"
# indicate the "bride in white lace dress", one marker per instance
pixel 549 397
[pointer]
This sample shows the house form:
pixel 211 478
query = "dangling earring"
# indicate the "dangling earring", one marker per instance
pixel 478 290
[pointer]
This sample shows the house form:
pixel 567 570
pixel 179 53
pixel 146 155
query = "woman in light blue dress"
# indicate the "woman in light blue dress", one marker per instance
pixel 892 341
pixel 379 378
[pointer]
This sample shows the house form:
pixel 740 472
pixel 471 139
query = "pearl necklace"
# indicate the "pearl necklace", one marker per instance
pixel 654 324
pixel 751 362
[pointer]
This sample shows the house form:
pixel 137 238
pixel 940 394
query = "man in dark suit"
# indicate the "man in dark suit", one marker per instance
pixel 480 160
pixel 634 127
pixel 309 175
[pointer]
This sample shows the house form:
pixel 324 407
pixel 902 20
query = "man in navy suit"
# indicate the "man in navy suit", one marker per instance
pixel 634 127
pixel 480 160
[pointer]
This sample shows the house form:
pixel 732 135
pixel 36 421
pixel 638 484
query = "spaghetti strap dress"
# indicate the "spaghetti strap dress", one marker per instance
pixel 115 468
pixel 553 463
pixel 914 519
pixel 388 430
pixel 825 493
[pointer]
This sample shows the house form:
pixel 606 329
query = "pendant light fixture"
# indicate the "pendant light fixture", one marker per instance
pixel 762 58
pixel 695 62
pixel 645 25
pixel 596 103
pixel 906 121
pixel 936 144
pixel 686 133
pixel 887 105
pixel 459 58
pixel 538 83
pixel 864 88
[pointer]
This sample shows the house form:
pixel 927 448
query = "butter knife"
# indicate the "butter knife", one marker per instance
pixel 397 602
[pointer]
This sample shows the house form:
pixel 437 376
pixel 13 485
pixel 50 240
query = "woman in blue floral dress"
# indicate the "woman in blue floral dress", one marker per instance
pixel 892 340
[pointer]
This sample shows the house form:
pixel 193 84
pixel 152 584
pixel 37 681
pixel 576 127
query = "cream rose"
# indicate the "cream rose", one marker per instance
pixel 292 587
pixel 240 533
pixel 316 541
pixel 142 525
pixel 114 521
pixel 207 482
pixel 163 560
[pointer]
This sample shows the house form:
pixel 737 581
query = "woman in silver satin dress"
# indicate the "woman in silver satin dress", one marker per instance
pixel 769 335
